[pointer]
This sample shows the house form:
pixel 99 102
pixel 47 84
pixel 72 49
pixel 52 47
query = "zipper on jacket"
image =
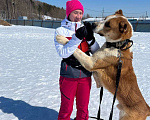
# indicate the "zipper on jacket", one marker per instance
pixel 75 27
pixel 66 67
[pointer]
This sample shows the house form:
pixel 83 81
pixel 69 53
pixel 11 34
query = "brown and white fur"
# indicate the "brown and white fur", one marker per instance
pixel 103 64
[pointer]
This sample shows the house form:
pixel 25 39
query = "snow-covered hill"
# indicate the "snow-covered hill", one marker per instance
pixel 29 72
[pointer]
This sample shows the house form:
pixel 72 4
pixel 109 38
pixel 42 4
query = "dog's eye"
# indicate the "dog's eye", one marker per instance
pixel 107 24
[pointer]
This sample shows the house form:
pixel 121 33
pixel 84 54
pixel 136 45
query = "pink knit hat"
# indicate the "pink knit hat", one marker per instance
pixel 73 5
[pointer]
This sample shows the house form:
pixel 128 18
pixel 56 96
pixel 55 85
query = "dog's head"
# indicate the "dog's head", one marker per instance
pixel 115 27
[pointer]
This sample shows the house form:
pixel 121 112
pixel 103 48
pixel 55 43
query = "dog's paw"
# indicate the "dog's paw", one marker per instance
pixel 61 39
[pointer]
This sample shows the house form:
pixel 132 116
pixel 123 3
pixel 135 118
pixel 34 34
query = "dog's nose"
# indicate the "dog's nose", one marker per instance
pixel 93 25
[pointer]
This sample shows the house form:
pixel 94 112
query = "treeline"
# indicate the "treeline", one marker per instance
pixel 33 9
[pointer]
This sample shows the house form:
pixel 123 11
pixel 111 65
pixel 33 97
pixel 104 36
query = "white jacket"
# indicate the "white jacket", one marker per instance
pixel 68 29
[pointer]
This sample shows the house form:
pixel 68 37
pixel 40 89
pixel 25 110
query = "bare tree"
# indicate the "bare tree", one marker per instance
pixel 7 11
pixel 33 9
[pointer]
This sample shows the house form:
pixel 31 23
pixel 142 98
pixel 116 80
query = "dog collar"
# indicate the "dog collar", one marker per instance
pixel 120 44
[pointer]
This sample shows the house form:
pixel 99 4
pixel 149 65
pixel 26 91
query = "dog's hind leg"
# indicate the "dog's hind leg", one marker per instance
pixel 97 79
pixel 122 112
pixel 149 111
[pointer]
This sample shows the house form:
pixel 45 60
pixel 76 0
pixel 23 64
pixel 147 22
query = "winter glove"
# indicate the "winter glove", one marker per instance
pixel 90 34
pixel 81 32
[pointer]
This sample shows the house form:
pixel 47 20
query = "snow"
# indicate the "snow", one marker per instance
pixel 29 74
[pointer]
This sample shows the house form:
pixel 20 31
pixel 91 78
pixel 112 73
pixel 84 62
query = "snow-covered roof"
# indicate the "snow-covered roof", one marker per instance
pixel 93 19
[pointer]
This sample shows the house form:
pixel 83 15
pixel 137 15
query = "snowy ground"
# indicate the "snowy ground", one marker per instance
pixel 29 72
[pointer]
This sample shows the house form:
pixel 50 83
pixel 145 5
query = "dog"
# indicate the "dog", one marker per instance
pixel 103 63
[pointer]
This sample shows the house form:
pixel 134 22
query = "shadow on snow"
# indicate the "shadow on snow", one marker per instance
pixel 24 111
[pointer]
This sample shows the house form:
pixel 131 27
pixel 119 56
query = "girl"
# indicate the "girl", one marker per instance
pixel 74 79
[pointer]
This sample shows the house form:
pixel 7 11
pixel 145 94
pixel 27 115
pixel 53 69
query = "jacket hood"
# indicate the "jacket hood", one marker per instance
pixel 71 25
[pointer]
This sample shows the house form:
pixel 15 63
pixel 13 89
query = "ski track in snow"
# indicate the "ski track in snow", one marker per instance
pixel 29 74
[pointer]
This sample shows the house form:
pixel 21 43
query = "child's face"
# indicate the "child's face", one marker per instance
pixel 76 15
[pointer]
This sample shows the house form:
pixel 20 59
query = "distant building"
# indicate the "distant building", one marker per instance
pixel 45 17
pixel 22 18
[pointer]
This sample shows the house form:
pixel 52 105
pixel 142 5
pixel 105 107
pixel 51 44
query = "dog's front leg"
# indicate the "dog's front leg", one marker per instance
pixel 91 63
pixel 88 62
pixel 100 59
pixel 61 39
pixel 85 60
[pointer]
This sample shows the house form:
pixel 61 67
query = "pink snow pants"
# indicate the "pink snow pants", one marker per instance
pixel 69 88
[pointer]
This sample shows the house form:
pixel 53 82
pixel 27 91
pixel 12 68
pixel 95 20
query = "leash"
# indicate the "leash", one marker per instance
pixel 117 83
pixel 99 110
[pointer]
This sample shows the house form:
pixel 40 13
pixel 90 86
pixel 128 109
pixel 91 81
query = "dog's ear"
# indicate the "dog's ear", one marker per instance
pixel 122 26
pixel 119 12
